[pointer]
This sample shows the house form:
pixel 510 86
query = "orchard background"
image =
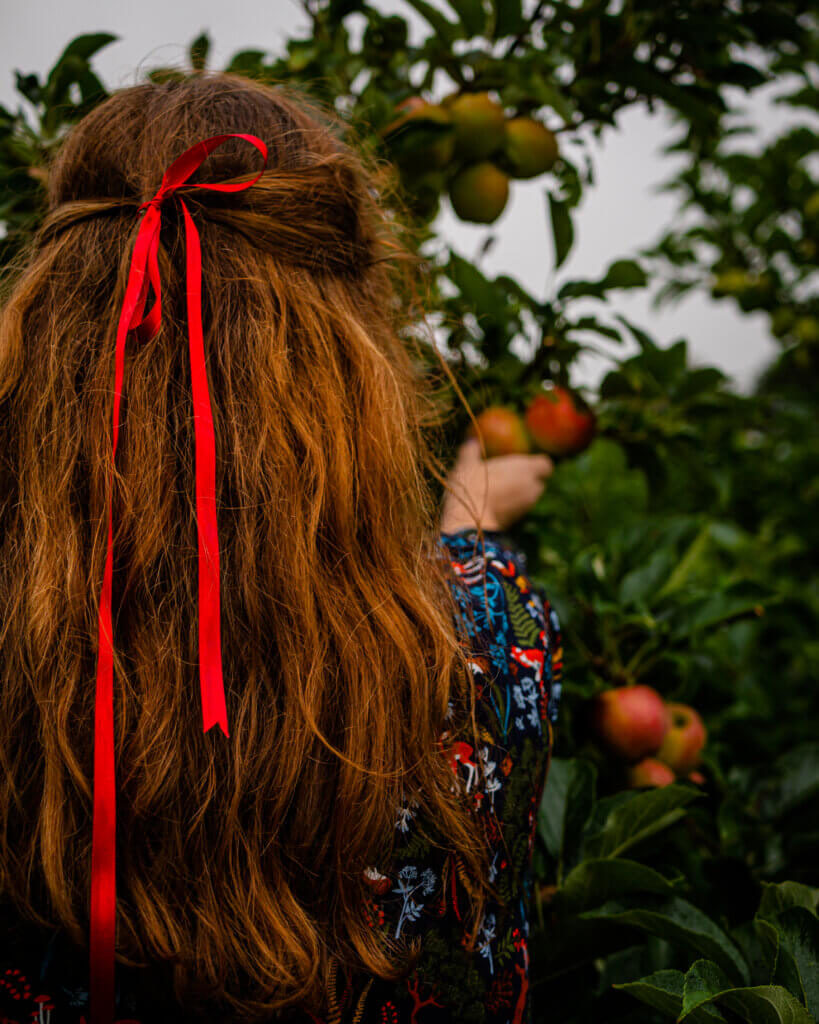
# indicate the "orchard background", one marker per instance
pixel 678 542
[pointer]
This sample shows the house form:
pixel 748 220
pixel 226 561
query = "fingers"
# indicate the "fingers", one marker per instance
pixel 542 466
pixel 469 451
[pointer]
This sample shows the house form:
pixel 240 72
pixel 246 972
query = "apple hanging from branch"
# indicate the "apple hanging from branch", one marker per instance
pixel 631 721
pixel 557 424
pixel 502 430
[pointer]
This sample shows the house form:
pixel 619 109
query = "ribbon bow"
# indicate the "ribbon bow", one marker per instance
pixel 142 277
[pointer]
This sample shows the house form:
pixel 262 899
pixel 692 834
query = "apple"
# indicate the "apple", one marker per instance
pixel 649 772
pixel 811 207
pixel 434 148
pixel 697 778
pixel 479 124
pixel 502 431
pixel 529 148
pixel 747 286
pixel 557 425
pixel 684 740
pixel 630 720
pixel 806 329
pixel 731 282
pixel 782 320
pixel 423 192
pixel 479 193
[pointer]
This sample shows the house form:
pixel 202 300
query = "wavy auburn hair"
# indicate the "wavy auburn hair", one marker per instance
pixel 240 862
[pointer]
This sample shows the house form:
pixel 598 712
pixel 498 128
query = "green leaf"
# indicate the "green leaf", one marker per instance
pixel 678 921
pixel 702 979
pixel 84 47
pixel 562 229
pixel 551 96
pixel 509 18
pixel 641 816
pixel 198 52
pixel 339 9
pixel 594 882
pixel 246 62
pixel 625 274
pixel 471 14
pixel 705 985
pixel 797 778
pixel 663 991
pixel 28 86
pixel 567 800
pixel 481 295
pixel 620 274
pixel 778 897
pixel 766 1004
pixel 445 29
pixel 713 609
pixel 644 581
pixel 689 562
pixel 798 932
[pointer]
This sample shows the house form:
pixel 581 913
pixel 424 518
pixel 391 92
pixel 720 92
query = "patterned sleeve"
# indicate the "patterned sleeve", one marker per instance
pixel 511 613
pixel 512 638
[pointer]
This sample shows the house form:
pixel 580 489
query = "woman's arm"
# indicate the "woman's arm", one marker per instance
pixel 491 493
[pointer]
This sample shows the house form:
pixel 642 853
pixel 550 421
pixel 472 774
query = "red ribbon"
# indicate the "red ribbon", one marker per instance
pixel 142 277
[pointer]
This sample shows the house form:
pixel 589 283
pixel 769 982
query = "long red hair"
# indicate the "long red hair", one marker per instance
pixel 240 862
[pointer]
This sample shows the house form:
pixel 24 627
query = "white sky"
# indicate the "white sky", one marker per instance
pixel 617 215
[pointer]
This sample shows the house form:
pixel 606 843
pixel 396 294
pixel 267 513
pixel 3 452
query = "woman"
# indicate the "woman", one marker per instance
pixel 358 847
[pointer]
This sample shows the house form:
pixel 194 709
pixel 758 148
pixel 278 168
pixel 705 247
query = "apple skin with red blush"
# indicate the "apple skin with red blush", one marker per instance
pixel 649 773
pixel 683 743
pixel 557 425
pixel 631 721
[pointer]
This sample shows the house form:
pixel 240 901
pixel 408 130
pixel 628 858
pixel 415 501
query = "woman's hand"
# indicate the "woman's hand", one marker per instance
pixel 492 492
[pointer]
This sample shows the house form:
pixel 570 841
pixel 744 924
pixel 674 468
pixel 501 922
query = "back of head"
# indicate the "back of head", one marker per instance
pixel 240 863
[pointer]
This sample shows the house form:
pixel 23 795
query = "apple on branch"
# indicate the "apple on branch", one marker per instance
pixel 502 430
pixel 683 743
pixel 556 423
pixel 649 772
pixel 631 721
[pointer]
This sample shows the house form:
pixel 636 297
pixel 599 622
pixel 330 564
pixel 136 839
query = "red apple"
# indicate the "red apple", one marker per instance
pixel 630 720
pixel 502 431
pixel 649 772
pixel 697 778
pixel 557 425
pixel 684 740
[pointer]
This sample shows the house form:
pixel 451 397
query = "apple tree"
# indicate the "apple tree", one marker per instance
pixel 675 867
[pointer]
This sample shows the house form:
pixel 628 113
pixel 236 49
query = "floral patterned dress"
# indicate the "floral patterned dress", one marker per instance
pixel 513 640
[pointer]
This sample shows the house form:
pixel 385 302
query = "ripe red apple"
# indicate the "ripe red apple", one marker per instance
pixel 479 193
pixel 557 425
pixel 631 721
pixel 502 431
pixel 684 740
pixel 649 772
pixel 697 778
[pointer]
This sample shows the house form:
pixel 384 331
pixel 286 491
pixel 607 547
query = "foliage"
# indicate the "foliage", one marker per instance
pixel 677 547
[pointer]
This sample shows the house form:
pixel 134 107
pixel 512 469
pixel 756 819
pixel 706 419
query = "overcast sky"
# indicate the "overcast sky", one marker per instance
pixel 618 214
